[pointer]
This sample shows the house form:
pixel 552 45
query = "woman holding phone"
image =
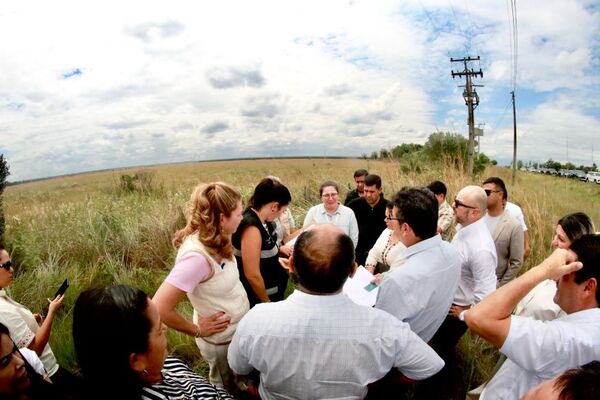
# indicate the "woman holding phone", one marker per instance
pixel 206 272
pixel 32 330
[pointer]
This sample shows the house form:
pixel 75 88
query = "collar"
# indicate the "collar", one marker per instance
pixel 590 314
pixel 3 293
pixel 423 245
pixel 324 211
pixel 312 300
pixel 474 227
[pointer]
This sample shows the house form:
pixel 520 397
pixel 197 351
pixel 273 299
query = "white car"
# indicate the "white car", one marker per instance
pixel 593 177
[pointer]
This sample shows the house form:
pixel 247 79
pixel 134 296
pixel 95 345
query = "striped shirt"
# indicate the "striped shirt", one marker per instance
pixel 180 382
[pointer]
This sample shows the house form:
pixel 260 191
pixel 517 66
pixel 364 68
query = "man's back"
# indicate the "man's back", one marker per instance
pixel 421 291
pixel 325 347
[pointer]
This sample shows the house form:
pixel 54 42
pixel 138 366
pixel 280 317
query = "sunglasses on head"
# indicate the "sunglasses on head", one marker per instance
pixel 6 265
pixel 459 203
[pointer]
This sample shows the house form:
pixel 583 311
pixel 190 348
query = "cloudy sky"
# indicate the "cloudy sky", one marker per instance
pixel 93 85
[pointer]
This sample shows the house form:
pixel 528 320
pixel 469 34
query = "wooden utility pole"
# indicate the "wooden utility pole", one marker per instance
pixel 514 174
pixel 472 101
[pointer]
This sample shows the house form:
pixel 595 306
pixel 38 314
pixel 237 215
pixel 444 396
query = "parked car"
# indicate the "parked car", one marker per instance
pixel 593 176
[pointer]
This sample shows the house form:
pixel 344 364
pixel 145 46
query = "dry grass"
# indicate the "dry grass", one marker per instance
pixel 85 228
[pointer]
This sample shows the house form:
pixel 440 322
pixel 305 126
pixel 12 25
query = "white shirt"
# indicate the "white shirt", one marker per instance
pixel 491 222
pixel 32 358
pixel 421 291
pixel 343 217
pixel 385 253
pixel 516 212
pixel 22 327
pixel 538 351
pixel 325 347
pixel 477 250
pixel 539 303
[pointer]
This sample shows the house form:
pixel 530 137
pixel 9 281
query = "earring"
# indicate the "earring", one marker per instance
pixel 145 372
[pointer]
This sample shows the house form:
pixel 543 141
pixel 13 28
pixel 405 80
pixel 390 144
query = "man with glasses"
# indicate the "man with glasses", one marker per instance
pixel 506 231
pixel 421 291
pixel 370 215
pixel 474 243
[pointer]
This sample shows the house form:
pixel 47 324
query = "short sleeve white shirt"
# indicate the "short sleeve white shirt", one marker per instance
pixel 325 347
pixel 516 212
pixel 541 350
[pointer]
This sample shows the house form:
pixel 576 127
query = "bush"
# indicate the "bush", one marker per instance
pixel 4 173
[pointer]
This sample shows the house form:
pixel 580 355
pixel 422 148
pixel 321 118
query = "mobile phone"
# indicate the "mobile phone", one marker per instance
pixel 62 289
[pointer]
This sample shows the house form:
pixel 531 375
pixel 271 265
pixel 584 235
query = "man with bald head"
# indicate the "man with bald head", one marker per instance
pixel 318 344
pixel 477 251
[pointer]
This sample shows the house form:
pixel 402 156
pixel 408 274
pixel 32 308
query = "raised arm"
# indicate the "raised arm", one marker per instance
pixel 40 340
pixel 490 319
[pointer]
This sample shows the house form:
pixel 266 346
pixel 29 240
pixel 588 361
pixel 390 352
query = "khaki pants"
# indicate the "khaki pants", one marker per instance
pixel 220 374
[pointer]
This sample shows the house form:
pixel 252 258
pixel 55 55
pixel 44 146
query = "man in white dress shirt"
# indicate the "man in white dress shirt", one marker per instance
pixel 538 350
pixel 475 245
pixel 318 344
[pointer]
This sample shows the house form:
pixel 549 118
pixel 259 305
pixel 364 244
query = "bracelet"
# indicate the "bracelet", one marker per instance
pixel 198 331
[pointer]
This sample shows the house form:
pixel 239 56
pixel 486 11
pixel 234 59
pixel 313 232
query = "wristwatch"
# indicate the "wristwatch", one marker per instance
pixel 461 315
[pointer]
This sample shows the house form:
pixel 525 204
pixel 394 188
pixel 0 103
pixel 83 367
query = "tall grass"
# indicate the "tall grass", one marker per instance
pixel 89 229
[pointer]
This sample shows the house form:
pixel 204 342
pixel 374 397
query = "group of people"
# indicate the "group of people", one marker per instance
pixel 441 267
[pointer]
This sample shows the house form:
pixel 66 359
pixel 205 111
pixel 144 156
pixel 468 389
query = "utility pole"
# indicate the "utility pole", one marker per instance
pixel 471 100
pixel 514 174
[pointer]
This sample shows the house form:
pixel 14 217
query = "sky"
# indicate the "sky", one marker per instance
pixel 95 85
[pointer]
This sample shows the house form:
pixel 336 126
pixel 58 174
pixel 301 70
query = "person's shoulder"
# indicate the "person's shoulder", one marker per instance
pixel 356 203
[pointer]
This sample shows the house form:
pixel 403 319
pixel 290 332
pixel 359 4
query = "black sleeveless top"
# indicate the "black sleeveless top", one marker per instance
pixel 273 274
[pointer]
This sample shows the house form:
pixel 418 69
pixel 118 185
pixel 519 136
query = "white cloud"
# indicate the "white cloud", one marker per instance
pixel 177 81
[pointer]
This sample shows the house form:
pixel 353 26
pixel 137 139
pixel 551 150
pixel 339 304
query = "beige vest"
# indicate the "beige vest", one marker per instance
pixel 222 292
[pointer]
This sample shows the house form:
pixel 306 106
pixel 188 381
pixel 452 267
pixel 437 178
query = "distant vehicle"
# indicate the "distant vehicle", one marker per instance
pixel 552 171
pixel 593 176
pixel 578 174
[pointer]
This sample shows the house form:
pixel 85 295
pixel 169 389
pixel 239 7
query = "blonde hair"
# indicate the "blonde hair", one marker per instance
pixel 204 211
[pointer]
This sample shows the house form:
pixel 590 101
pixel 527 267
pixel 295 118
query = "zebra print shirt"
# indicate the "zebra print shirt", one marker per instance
pixel 181 383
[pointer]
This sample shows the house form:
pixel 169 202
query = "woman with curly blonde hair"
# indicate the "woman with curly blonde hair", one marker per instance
pixel 206 271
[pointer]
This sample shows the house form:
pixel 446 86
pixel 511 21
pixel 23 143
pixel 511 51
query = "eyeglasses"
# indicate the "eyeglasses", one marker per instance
pixel 5 361
pixel 488 192
pixel 391 218
pixel 459 203
pixel 329 195
pixel 6 265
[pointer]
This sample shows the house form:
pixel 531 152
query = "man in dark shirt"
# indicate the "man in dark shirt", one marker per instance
pixel 359 179
pixel 370 215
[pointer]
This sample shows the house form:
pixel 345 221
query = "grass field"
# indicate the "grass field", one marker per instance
pixel 88 228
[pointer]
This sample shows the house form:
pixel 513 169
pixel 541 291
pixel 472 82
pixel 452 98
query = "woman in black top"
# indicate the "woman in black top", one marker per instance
pixel 255 244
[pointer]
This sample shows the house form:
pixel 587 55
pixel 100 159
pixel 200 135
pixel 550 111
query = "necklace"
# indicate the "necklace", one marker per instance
pixel 387 248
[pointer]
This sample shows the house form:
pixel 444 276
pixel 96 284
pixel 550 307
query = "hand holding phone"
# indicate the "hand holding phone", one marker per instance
pixel 61 290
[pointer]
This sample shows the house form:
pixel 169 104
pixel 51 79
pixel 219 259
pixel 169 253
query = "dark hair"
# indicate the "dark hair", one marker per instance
pixel 587 248
pixel 269 190
pixel 360 172
pixel 575 225
pixel 373 179
pixel 438 187
pixel 39 388
pixel 109 324
pixel 499 185
pixel 328 184
pixel 323 268
pixel 418 207
pixel 580 383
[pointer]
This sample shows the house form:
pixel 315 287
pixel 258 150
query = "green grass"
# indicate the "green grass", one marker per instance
pixel 89 229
